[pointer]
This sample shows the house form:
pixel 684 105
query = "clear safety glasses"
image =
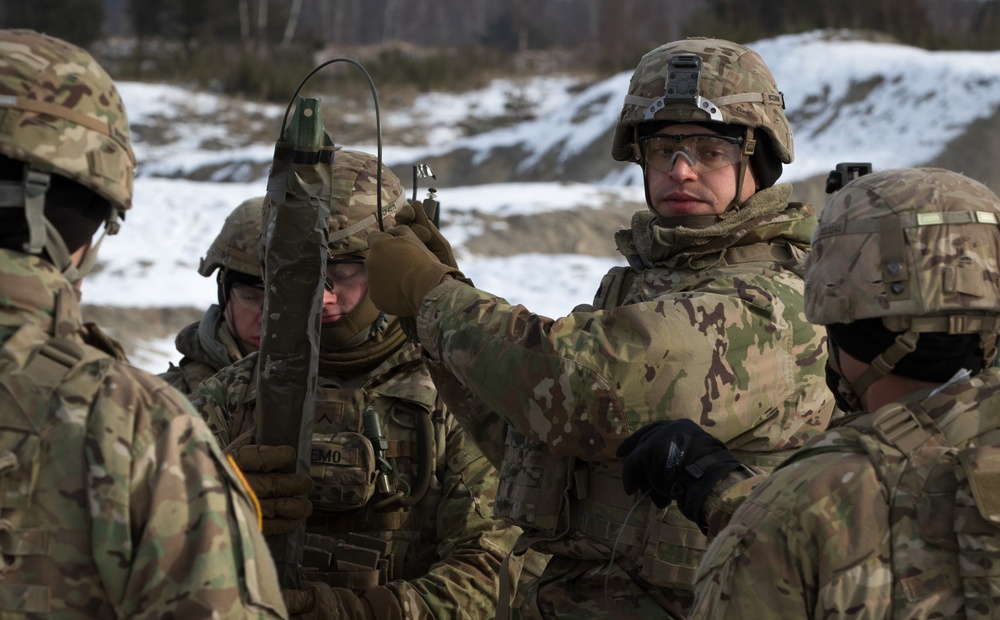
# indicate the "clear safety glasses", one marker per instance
pixel 703 152
pixel 250 297
pixel 344 272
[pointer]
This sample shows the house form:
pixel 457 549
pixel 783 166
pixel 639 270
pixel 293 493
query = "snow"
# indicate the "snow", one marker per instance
pixel 912 102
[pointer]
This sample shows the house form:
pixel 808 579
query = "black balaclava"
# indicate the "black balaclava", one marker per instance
pixel 75 211
pixel 936 359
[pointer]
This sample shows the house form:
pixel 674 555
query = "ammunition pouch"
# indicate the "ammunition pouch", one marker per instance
pixel 343 469
pixel 355 561
pixel 557 497
pixel 532 487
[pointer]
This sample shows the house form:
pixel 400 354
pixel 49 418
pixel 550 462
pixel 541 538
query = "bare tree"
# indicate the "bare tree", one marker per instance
pixel 244 11
pixel 262 28
pixel 293 23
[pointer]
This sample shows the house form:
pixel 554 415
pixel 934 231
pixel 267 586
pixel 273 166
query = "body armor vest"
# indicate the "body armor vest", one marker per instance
pixel 555 498
pixel 42 379
pixel 372 487
pixel 941 478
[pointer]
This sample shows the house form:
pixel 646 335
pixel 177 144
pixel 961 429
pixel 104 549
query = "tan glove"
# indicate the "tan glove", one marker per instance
pixel 280 494
pixel 414 216
pixel 401 271
pixel 319 601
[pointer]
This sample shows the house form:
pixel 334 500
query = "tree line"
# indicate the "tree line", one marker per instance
pixel 247 46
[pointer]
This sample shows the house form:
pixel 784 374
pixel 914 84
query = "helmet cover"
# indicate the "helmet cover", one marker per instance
pixel 699 80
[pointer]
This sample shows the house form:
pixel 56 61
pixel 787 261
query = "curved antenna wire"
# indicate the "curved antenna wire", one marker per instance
pixel 378 125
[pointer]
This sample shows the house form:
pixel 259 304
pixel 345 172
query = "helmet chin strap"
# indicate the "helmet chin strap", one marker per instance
pixel 29 194
pixel 749 146
pixel 852 391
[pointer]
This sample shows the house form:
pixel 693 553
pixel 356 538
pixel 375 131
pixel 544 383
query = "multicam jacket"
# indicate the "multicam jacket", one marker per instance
pixel 117 503
pixel 207 347
pixel 446 549
pixel 893 514
pixel 706 324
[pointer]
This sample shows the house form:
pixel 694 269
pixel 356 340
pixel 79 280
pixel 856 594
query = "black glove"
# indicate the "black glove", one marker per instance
pixel 675 460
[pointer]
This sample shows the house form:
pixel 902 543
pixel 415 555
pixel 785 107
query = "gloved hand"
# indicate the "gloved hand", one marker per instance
pixel 401 271
pixel 280 495
pixel 319 601
pixel 675 460
pixel 414 216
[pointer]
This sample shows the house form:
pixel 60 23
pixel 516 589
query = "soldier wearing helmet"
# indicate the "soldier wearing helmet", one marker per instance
pixel 231 329
pixel 704 324
pixel 111 482
pixel 400 526
pixel 892 512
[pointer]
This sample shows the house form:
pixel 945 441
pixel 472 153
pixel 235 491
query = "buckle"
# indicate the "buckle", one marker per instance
pixel 900 427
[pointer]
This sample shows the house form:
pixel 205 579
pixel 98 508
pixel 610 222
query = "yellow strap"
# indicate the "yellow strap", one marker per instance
pixel 253 496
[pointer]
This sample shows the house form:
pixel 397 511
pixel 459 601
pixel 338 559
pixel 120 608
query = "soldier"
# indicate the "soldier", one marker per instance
pixel 231 329
pixel 402 498
pixel 116 500
pixel 892 512
pixel 705 324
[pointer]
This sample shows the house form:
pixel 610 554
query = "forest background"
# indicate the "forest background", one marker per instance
pixel 260 48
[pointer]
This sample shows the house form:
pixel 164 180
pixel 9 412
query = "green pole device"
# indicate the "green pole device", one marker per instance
pixel 295 231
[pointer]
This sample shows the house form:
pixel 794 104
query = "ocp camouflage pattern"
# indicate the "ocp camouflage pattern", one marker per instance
pixel 693 336
pixel 448 549
pixel 207 346
pixel 60 110
pixel 117 502
pixel 237 245
pixel 734 78
pixel 855 527
pixel 943 241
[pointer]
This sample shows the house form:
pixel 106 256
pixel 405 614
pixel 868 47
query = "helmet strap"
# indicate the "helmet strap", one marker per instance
pixel 749 146
pixel 42 235
pixel 883 364
pixel 35 184
pixel 844 395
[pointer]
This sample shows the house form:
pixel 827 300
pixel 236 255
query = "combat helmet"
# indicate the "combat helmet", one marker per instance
pixel 353 215
pixel 917 248
pixel 236 246
pixel 354 201
pixel 703 80
pixel 61 114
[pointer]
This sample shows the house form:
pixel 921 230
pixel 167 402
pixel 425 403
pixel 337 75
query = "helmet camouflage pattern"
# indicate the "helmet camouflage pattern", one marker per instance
pixel 903 244
pixel 236 245
pixel 703 80
pixel 60 112
pixel 353 201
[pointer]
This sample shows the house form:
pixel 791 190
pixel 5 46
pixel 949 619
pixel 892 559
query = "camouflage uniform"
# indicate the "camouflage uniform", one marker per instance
pixel 209 345
pixel 443 547
pixel 891 513
pixel 116 502
pixel 706 323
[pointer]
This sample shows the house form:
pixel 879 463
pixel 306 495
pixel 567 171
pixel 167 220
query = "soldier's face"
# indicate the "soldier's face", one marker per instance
pixel 345 287
pixel 683 190
pixel 245 311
